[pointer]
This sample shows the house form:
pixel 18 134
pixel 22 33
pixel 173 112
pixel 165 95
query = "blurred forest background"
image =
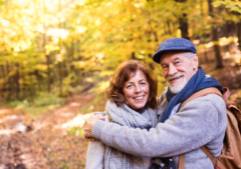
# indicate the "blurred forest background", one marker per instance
pixel 57 56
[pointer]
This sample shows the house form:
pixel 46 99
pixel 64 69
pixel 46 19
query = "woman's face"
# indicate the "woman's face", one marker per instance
pixel 136 90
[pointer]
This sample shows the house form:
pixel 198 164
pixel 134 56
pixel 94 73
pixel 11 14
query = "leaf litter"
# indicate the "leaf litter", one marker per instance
pixel 53 140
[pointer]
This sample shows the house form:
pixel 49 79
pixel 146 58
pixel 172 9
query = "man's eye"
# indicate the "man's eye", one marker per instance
pixel 163 67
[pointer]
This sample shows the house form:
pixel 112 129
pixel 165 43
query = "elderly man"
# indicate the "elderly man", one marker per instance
pixel 202 121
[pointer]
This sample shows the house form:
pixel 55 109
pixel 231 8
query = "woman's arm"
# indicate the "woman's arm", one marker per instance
pixel 95 155
pixel 96 149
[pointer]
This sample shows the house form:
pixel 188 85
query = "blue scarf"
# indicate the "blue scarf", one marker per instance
pixel 196 83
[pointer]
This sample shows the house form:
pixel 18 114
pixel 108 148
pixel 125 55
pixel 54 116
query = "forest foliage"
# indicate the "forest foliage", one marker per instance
pixel 62 46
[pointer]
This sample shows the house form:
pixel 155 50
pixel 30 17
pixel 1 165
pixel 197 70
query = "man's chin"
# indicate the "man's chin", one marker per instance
pixel 176 88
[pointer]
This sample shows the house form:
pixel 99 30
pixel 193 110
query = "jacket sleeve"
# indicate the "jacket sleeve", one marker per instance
pixel 95 155
pixel 196 124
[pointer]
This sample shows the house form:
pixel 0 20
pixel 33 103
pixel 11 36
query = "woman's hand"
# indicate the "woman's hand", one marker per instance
pixel 89 123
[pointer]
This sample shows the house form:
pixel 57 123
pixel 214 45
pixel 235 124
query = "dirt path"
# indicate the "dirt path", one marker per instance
pixel 46 142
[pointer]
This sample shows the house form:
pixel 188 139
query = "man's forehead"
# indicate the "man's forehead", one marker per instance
pixel 172 55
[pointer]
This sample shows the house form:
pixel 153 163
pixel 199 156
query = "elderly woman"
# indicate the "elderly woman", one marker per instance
pixel 132 103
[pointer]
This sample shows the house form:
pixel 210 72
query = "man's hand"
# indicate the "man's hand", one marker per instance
pixel 89 123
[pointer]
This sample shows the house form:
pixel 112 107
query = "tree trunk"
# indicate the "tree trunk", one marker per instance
pixel 10 83
pixel 45 53
pixel 25 89
pixel 48 72
pixel 226 26
pixel 183 22
pixel 218 56
pixel 16 79
pixel 183 26
pixel 203 37
pixel 61 63
pixel 133 55
pixel 168 28
pixel 32 86
pixel 238 31
pixel 3 89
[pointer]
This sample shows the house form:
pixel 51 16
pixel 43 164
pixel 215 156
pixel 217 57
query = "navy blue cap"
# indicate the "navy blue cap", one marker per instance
pixel 173 44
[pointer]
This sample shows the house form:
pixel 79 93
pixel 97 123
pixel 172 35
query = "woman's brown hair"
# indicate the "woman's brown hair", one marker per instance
pixel 122 75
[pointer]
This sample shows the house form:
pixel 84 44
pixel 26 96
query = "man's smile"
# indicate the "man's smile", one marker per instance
pixel 175 79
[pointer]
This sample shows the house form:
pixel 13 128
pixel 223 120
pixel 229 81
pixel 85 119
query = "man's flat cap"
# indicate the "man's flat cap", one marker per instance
pixel 173 44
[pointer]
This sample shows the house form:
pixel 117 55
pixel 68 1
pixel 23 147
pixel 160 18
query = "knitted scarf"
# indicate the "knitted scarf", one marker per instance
pixel 196 83
pixel 125 116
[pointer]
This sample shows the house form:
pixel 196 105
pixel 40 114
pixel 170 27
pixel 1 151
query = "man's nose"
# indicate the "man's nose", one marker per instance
pixel 172 70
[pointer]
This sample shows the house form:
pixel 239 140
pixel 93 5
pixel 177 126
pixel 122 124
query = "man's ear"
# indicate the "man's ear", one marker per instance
pixel 195 62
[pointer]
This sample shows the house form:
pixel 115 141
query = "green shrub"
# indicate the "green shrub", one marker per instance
pixel 37 105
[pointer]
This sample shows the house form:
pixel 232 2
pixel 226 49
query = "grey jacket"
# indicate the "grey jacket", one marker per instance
pixel 201 121
pixel 101 156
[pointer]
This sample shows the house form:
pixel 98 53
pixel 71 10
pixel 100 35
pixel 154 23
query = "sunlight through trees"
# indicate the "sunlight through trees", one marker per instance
pixel 56 45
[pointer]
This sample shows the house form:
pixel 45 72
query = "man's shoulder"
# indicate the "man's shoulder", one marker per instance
pixel 209 101
pixel 213 98
pixel 161 98
pixel 163 95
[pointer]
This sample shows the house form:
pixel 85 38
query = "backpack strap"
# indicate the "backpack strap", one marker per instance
pixel 209 154
pixel 181 161
pixel 200 93
pixel 226 94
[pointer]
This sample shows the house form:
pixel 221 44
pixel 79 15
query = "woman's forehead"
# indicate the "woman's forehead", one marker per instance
pixel 137 75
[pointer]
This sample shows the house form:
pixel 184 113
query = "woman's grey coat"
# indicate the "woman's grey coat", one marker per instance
pixel 101 156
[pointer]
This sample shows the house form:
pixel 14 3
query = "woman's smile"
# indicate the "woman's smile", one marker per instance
pixel 139 98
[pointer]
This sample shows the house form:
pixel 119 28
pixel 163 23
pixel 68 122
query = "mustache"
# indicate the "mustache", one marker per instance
pixel 176 76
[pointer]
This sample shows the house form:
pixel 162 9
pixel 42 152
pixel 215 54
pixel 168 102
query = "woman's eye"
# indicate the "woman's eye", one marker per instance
pixel 143 83
pixel 128 86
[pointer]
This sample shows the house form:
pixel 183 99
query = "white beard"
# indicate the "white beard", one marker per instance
pixel 177 87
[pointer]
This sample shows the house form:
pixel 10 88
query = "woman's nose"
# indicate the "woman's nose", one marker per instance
pixel 137 89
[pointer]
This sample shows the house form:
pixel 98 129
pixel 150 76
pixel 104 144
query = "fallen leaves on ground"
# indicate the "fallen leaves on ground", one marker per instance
pixel 46 142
